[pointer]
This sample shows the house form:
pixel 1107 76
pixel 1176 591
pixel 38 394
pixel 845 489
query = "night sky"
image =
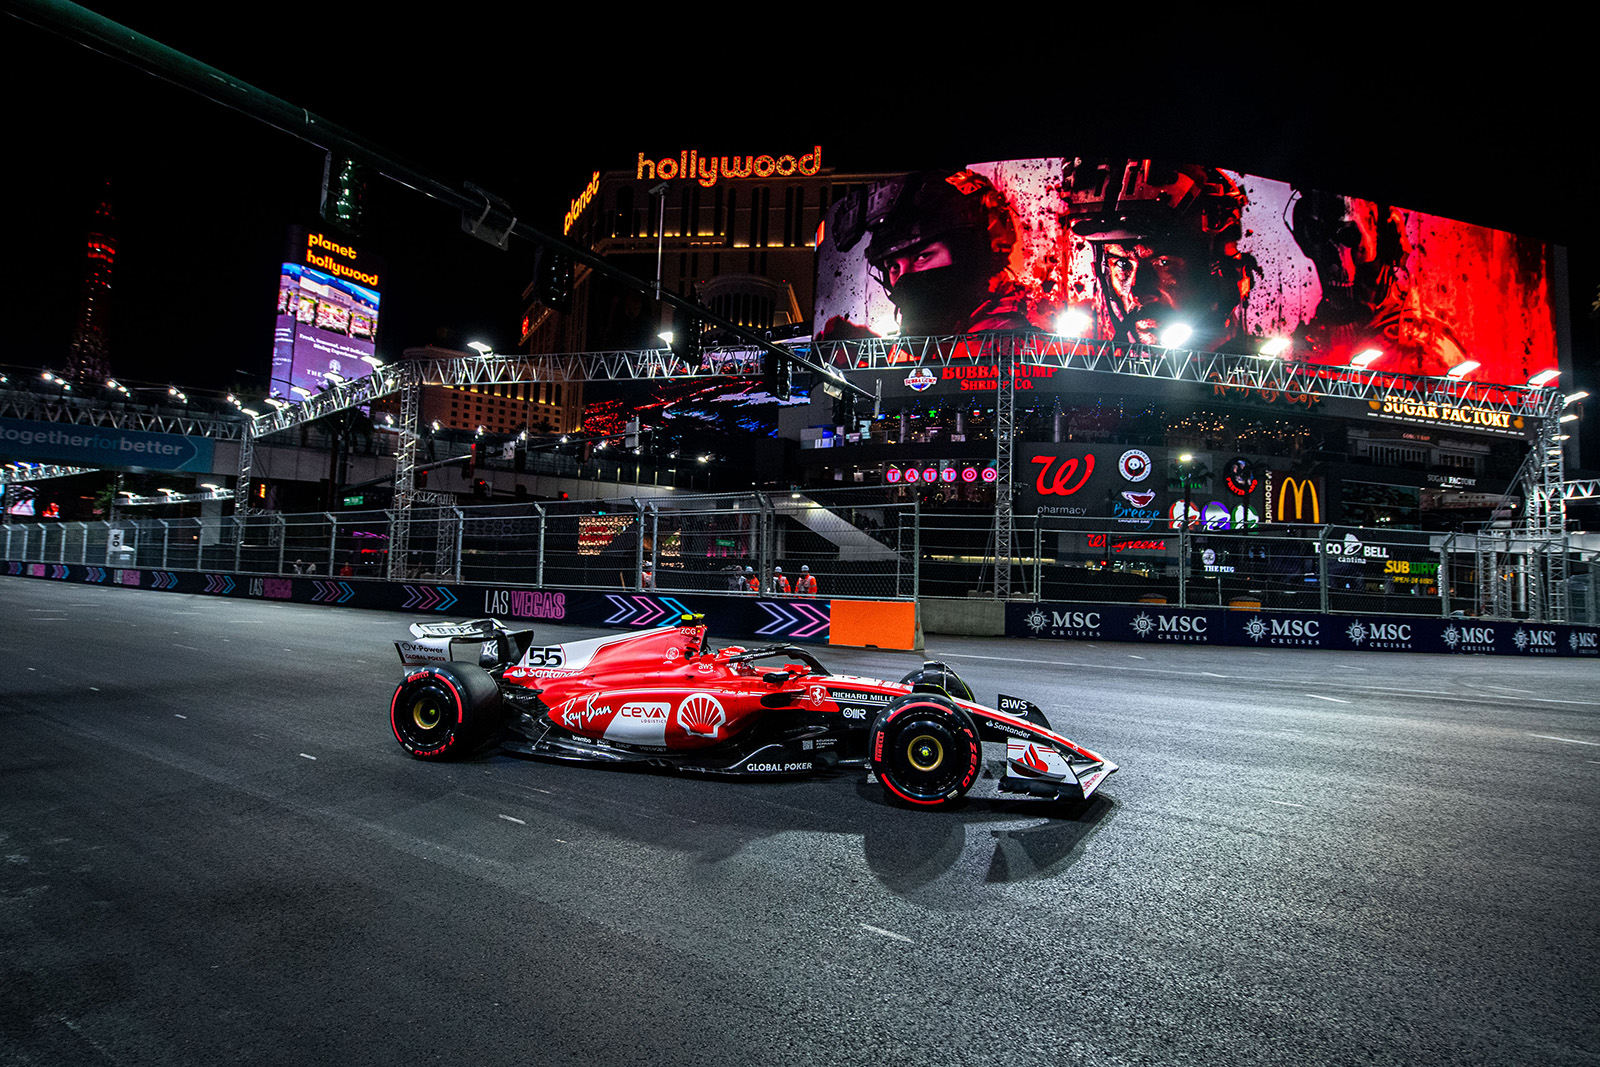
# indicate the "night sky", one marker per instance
pixel 204 196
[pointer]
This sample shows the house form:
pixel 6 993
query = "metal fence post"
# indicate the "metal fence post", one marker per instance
pixel 461 537
pixel 916 548
pixel 655 541
pixel 638 543
pixel 538 575
pixel 1183 560
pixel 1323 599
pixel 166 540
pixel 1038 558
pixel 333 539
pixel 1444 576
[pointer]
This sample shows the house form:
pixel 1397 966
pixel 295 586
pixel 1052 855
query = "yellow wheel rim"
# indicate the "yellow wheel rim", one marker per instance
pixel 925 753
pixel 425 713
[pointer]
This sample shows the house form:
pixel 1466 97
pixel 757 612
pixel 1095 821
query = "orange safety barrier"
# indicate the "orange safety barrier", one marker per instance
pixel 874 624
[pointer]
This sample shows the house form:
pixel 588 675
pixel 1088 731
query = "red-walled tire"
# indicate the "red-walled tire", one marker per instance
pixel 925 750
pixel 445 711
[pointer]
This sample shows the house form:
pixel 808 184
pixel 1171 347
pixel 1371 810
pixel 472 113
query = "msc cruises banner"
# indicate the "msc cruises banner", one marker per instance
pixel 1167 624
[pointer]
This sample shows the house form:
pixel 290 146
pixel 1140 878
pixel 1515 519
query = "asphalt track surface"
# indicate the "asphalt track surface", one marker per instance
pixel 214 852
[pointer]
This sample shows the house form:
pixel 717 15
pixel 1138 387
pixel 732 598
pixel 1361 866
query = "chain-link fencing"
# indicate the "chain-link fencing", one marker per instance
pixel 863 543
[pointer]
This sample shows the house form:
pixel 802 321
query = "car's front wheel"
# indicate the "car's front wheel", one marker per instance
pixel 445 711
pixel 925 750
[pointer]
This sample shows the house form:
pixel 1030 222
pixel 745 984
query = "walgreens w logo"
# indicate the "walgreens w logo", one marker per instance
pixel 1066 478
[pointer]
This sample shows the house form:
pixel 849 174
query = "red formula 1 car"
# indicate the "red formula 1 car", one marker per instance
pixel 664 698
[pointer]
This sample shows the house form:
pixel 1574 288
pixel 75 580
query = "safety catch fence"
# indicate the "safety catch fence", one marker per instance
pixel 858 542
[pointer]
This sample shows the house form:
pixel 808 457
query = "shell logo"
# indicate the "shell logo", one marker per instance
pixel 701 714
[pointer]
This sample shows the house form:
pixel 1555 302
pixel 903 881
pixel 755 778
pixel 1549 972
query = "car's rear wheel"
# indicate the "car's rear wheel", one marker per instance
pixel 445 711
pixel 925 750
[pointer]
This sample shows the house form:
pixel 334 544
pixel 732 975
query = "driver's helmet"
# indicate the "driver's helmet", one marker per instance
pixel 963 209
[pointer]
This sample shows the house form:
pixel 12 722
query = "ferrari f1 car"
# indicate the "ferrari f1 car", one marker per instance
pixel 664 698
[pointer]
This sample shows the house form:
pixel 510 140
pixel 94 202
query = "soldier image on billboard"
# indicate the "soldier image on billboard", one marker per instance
pixel 1165 241
pixel 1361 255
pixel 941 249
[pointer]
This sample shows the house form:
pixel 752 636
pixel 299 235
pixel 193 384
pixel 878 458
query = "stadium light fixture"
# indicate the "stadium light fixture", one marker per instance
pixel 1366 358
pixel 1462 369
pixel 1073 322
pixel 1176 334
pixel 1572 398
pixel 1544 377
pixel 481 348
pixel 1275 347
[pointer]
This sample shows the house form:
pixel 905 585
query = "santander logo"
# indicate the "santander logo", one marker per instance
pixel 1066 480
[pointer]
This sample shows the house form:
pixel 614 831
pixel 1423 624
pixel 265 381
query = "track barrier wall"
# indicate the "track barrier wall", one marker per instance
pixel 880 624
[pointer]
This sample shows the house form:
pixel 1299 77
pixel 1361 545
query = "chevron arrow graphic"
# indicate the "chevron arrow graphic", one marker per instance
pixel 781 617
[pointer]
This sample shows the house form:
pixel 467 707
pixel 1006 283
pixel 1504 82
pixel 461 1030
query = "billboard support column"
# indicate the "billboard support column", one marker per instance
pixel 1004 414
pixel 405 471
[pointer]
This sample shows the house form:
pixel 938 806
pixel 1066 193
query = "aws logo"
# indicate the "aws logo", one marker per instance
pixel 1062 477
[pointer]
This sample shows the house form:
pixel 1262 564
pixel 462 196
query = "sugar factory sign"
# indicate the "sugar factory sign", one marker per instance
pixel 1461 417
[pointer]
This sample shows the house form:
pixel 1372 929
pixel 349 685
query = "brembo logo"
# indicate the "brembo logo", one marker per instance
pixel 1066 478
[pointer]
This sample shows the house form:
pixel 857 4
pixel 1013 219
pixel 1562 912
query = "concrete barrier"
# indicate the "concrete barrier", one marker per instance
pixel 963 616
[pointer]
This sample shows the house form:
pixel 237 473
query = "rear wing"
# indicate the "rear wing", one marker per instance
pixel 486 642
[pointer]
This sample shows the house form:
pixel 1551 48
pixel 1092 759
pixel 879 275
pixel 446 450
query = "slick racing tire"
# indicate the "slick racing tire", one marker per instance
pixel 445 711
pixel 925 750
pixel 938 674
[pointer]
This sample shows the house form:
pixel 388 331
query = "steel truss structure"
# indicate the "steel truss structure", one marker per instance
pixel 82 411
pixel 1542 477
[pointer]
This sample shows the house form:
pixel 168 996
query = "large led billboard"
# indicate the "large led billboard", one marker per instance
pixel 1124 249
pixel 327 313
